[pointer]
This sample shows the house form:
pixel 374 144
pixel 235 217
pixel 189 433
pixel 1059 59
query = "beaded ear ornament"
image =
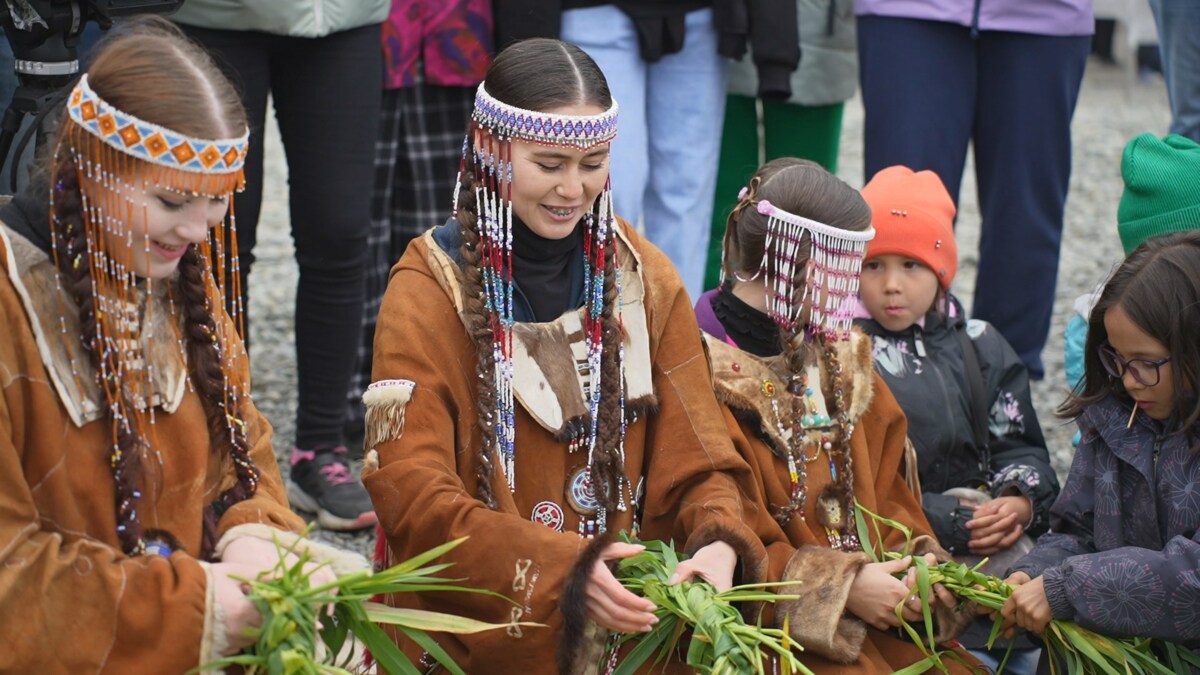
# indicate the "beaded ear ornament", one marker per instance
pixel 487 155
pixel 105 168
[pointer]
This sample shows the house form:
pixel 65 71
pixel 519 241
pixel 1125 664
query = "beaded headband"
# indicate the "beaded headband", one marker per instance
pixel 831 280
pixel 151 142
pixel 582 132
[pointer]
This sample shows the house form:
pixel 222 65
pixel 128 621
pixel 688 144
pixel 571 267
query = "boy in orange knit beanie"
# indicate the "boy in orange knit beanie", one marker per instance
pixel 985 471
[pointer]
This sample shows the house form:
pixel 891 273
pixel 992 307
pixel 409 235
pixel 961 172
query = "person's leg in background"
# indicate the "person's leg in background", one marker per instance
pixel 1028 87
pixel 416 161
pixel 608 36
pixel 324 89
pixel 807 131
pixel 1178 24
pixel 685 109
pixel 244 57
pixel 918 92
pixel 738 161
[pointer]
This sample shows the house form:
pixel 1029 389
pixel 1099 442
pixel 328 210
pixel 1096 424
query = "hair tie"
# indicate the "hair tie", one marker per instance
pixel 742 193
pixel 765 207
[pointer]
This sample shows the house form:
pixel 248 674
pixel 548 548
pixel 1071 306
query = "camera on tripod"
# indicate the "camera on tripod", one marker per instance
pixel 44 35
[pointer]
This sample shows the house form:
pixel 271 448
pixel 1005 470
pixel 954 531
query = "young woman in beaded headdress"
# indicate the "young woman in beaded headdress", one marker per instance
pixel 540 385
pixel 137 475
pixel 816 424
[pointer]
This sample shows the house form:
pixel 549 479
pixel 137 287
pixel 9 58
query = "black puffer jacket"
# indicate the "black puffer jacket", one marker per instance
pixel 925 369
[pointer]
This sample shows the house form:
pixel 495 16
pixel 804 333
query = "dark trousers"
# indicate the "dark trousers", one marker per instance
pixel 326 94
pixel 929 88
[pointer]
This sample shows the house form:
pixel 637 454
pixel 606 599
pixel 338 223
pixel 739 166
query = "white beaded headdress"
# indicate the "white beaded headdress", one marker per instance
pixel 834 262
pixel 489 159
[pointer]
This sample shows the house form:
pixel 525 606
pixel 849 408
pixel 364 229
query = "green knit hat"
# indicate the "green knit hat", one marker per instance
pixel 1162 188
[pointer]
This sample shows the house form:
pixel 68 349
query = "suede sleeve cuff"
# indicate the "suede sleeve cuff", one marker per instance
pixel 817 619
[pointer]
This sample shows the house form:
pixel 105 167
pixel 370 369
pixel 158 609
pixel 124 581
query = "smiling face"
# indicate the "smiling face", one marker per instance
pixel 897 290
pixel 1129 341
pixel 553 187
pixel 158 225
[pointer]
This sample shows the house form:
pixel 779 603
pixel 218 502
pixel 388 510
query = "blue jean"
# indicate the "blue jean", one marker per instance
pixel 1178 24
pixel 1021 662
pixel 664 160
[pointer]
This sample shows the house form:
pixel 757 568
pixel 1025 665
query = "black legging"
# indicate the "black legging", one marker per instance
pixel 326 93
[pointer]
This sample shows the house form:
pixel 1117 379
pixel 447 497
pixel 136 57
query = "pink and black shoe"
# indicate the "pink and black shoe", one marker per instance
pixel 323 483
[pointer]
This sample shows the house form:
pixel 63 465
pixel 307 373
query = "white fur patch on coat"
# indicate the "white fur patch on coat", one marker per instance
pixel 384 402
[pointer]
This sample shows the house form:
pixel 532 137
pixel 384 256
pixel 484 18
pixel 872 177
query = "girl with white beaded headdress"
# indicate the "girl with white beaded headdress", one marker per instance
pixel 818 428
pixel 137 474
pixel 540 385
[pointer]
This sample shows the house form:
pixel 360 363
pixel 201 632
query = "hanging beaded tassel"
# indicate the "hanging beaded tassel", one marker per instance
pixel 831 278
pixel 491 164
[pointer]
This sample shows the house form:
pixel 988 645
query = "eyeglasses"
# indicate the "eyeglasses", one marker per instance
pixel 1144 371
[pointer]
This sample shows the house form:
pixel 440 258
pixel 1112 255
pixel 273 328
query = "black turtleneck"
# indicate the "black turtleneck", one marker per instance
pixel 752 330
pixel 542 269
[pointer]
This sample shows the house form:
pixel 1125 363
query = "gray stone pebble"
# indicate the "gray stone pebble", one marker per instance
pixel 1113 107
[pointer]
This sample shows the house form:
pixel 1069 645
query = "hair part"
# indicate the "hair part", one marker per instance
pixel 1158 288
pixel 542 74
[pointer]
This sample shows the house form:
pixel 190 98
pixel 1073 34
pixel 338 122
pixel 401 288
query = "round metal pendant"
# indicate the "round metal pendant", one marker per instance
pixel 580 494
pixel 549 514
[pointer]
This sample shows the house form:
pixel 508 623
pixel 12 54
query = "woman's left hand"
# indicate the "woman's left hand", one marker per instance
pixel 713 563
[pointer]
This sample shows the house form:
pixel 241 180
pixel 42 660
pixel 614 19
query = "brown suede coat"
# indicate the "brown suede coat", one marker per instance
pixel 835 641
pixel 427 447
pixel 71 602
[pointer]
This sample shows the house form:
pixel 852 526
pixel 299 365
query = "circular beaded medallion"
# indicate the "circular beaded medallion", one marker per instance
pixel 580 494
pixel 549 514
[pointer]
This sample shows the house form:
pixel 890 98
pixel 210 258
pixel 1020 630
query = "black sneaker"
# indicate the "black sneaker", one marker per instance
pixel 322 483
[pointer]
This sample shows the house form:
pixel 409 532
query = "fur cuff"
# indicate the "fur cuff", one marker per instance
pixel 582 641
pixel 213 644
pixel 818 619
pixel 949 622
pixel 340 562
pixel 752 556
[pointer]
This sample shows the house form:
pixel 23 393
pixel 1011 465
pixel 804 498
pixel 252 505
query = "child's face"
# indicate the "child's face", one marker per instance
pixel 1131 342
pixel 897 290
pixel 158 225
pixel 553 187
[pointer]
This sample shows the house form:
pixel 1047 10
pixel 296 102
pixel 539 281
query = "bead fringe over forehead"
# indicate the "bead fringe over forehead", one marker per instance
pixel 582 132
pixel 831 280
pixel 150 142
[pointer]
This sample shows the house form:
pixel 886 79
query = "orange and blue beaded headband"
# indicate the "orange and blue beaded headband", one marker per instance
pixel 150 142
pixel 582 132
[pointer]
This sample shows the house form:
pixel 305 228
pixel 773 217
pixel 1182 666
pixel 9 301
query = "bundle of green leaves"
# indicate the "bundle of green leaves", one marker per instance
pixel 1082 651
pixel 722 643
pixel 301 634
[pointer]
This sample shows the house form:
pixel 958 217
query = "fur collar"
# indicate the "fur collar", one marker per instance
pixel 55 327
pixel 740 380
pixel 546 381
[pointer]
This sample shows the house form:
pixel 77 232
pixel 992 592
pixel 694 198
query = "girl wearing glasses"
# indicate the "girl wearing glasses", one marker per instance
pixel 1123 552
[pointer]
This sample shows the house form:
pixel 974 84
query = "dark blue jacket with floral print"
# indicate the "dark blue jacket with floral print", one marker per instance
pixel 925 369
pixel 1123 553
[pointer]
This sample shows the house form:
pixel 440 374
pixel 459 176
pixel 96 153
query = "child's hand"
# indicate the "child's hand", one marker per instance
pixel 236 609
pixel 999 523
pixel 609 603
pixel 1027 607
pixel 875 593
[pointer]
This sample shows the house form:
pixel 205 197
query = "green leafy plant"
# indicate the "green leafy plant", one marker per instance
pixel 300 635
pixel 1084 652
pixel 722 643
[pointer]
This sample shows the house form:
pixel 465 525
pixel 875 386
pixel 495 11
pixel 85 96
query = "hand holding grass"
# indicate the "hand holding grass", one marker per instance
pixel 1027 607
pixel 609 603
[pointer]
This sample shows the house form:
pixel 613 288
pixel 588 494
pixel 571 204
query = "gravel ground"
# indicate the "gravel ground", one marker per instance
pixel 1113 107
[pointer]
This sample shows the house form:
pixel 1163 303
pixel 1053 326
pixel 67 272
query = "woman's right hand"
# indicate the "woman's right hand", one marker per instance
pixel 609 603
pixel 239 613
pixel 875 592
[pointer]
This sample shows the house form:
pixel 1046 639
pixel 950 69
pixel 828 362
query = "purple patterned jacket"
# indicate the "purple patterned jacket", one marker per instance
pixel 449 40
pixel 1123 553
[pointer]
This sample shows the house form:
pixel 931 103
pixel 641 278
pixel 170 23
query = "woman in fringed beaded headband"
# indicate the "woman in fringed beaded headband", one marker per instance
pixel 808 413
pixel 138 475
pixel 540 382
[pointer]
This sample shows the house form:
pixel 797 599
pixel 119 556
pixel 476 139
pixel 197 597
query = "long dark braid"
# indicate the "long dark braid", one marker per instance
pixel 607 467
pixel 226 418
pixel 75 264
pixel 479 331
